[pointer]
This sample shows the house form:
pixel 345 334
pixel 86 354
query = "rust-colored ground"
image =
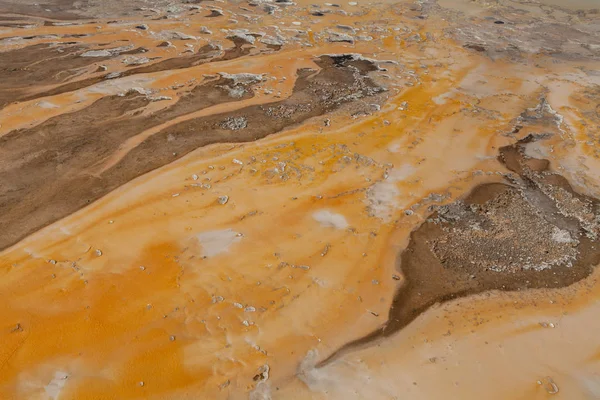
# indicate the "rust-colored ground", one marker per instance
pixel 295 201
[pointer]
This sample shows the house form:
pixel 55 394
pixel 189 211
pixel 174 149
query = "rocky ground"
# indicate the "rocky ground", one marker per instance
pixel 299 200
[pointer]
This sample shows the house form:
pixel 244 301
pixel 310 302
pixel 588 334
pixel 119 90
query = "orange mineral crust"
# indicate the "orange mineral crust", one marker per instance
pixel 299 200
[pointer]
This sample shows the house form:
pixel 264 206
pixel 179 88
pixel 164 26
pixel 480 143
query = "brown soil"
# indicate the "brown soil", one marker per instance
pixel 42 65
pixel 533 232
pixel 25 69
pixel 83 9
pixel 55 9
pixel 42 169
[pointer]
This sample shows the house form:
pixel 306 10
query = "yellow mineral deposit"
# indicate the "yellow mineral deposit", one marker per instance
pixel 270 200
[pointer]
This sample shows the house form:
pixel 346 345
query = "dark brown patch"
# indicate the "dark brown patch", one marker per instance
pixel 42 169
pixel 24 69
pixel 241 48
pixel 476 47
pixel 204 54
pixel 533 232
pixel 55 152
pixel 57 9
pixel 19 89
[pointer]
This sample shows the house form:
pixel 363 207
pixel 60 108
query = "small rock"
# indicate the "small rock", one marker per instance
pixel 113 75
pixel 174 35
pixel 346 28
pixel 224 384
pixel 549 384
pixel 214 13
pixel 340 37
pixel 223 199
pixel 234 123
pixel 263 374
pixel 160 98
pixel 107 52
pixel 132 60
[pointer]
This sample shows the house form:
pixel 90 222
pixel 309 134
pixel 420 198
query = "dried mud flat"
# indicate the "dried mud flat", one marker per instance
pixel 299 200
pixel 65 146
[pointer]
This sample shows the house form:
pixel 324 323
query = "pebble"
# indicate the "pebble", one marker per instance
pixel 98 252
pixel 549 384
pixel 217 299
pixel 223 199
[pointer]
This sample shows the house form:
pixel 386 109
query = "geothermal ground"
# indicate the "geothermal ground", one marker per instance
pixel 299 200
